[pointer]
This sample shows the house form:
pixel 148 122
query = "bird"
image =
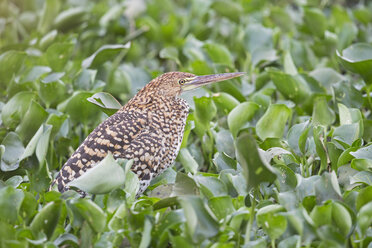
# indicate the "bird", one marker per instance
pixel 148 129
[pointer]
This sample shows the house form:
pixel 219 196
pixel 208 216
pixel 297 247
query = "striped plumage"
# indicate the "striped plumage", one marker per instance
pixel 148 129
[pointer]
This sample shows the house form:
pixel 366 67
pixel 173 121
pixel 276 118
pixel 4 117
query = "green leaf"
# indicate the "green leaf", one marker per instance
pixel 293 87
pixel 257 37
pixel 31 121
pixel 49 12
pixel 200 224
pixel 52 90
pixel 10 63
pixel 272 123
pixel 362 177
pixel 364 196
pixel 38 143
pixel 225 102
pixel 187 161
pixel 91 213
pixel 297 137
pixel 231 10
pixel 47 219
pixel 256 170
pixel 58 55
pixel 184 185
pixel 240 115
pixel 79 109
pixel 322 215
pixel 102 178
pixel 14 110
pixel 364 218
pixel 13 150
pixel 322 113
pixel 70 18
pixel 205 110
pixel 273 223
pixel 221 206
pixel 357 58
pixel 103 54
pixel 211 186
pixel 286 178
pixel 170 53
pixel 106 101
pixel 342 218
pixel 219 54
pixel 10 203
pixel 315 21
pixel 224 162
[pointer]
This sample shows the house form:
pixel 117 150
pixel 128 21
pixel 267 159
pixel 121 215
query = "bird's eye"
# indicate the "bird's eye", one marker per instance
pixel 181 81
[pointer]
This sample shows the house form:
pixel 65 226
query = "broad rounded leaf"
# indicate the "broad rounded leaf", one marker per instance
pixel 103 54
pixel 240 115
pixel 272 123
pixel 102 178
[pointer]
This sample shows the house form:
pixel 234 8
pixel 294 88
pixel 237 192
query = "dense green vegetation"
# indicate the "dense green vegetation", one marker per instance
pixel 280 157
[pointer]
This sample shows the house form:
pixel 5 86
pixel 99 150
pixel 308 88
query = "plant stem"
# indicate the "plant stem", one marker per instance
pixel 251 217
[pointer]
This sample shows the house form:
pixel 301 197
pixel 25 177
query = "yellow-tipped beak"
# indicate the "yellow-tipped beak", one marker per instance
pixel 199 81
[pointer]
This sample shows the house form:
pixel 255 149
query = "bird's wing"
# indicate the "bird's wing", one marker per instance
pixel 115 134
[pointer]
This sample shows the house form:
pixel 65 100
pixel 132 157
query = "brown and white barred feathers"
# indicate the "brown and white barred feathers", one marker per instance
pixel 148 129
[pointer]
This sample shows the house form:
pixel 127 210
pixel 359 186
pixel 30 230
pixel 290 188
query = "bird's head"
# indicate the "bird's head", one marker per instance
pixel 172 84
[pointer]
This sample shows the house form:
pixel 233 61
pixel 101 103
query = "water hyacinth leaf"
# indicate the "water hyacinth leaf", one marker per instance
pixel 361 164
pixel 48 39
pixel 90 212
pixel 297 137
pixel 347 134
pixel 364 196
pixel 223 162
pixel 315 21
pixel 187 161
pixel 49 12
pixel 58 55
pixel 322 113
pixel 364 218
pixel 343 224
pixel 327 187
pixel 221 206
pixel 293 87
pixel 47 219
pixel 200 224
pixel 272 123
pixel 10 63
pixel 318 135
pixel 273 223
pixel 13 150
pixel 35 73
pixel 211 186
pixel 363 153
pixel 327 77
pixel 106 101
pixel 170 53
pixel 70 18
pixel 10 203
pixel 357 58
pixel 286 178
pixel 256 36
pixel 322 215
pixel 78 108
pixel 224 142
pixel 205 110
pixel 31 121
pixel 225 102
pixel 228 9
pixel 256 170
pixel 38 143
pixel 240 115
pixel 103 54
pixel 184 185
pixel 104 177
pixel 14 110
pixel 51 92
pixel 218 54
pixel 362 177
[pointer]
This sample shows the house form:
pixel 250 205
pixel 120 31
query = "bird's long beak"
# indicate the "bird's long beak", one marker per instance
pixel 196 82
